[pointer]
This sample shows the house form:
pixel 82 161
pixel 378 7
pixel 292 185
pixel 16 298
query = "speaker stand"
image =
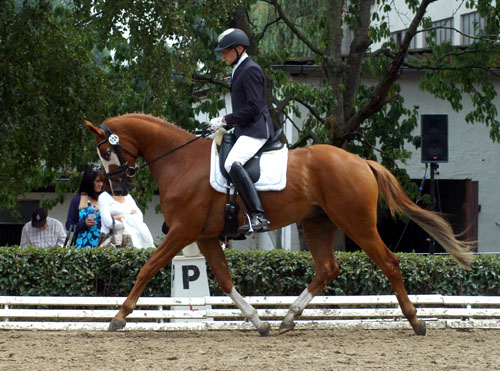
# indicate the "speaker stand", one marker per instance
pixel 431 243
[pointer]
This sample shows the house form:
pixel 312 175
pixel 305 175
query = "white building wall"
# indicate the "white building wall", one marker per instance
pixel 471 153
pixel 400 17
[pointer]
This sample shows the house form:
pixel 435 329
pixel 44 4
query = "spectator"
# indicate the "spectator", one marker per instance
pixel 43 231
pixel 83 213
pixel 119 213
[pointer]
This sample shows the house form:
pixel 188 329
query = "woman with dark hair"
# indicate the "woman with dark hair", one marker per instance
pixel 83 214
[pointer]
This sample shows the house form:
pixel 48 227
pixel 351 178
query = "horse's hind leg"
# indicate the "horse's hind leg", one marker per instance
pixel 214 255
pixel 319 232
pixel 371 243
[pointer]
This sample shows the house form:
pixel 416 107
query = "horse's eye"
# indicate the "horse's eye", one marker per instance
pixel 107 155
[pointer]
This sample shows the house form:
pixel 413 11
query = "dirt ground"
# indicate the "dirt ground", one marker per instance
pixel 346 349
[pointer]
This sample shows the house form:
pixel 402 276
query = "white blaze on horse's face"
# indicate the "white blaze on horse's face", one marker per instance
pixel 113 160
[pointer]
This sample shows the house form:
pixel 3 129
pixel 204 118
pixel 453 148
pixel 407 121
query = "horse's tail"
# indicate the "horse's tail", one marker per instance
pixel 430 221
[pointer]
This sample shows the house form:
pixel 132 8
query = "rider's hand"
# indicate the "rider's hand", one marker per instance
pixel 217 123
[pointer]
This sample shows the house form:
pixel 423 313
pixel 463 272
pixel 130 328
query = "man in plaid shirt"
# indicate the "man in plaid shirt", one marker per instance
pixel 43 231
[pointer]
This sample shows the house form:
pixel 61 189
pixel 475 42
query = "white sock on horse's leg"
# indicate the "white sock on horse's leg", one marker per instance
pixel 248 311
pixel 298 306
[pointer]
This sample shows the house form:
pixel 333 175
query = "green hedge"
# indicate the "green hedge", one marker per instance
pixel 109 272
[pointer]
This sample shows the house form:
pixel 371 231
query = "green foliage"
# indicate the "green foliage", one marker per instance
pixel 112 272
pixel 309 18
pixel 71 272
pixel 65 61
pixel 451 74
pixel 465 77
pixel 49 82
pixel 288 273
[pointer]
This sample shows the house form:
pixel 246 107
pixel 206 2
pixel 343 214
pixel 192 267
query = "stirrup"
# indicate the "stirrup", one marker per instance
pixel 256 223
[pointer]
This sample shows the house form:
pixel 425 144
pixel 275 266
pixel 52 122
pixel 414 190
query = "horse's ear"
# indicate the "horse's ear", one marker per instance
pixel 93 129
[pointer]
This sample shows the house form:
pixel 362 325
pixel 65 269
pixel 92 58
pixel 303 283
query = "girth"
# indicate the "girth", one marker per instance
pixel 252 166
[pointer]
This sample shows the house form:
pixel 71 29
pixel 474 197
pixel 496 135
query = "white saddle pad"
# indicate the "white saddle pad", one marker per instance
pixel 272 171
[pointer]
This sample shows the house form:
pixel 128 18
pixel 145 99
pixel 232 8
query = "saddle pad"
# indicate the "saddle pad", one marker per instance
pixel 273 167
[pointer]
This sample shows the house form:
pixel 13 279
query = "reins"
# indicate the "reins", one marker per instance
pixel 131 171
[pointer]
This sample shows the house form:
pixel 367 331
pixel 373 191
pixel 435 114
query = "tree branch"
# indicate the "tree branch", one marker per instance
pixel 302 141
pixel 205 78
pixel 311 109
pixel 357 51
pixel 265 28
pixel 371 112
pixel 414 62
pixel 280 105
pixel 90 19
pixel 294 29
pixel 363 140
pixel 465 68
pixel 382 89
pixel 486 37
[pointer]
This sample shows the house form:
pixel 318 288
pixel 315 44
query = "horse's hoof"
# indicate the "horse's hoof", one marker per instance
pixel 285 327
pixel 264 329
pixel 116 325
pixel 420 329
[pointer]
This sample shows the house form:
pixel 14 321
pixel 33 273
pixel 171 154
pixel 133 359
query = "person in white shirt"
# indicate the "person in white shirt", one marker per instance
pixel 115 208
pixel 120 213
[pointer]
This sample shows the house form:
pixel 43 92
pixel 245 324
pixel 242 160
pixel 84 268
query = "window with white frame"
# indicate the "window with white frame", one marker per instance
pixel 444 31
pixel 472 25
pixel 398 37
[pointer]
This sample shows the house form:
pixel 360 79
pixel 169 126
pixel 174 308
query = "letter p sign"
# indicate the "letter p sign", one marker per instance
pixel 190 273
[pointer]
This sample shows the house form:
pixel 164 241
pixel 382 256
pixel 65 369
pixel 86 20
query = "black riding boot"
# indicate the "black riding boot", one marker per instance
pixel 250 197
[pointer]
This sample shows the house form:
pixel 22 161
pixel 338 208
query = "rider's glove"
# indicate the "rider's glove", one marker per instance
pixel 217 123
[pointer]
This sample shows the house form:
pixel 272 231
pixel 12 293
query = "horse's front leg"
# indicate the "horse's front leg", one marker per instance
pixel 174 242
pixel 216 259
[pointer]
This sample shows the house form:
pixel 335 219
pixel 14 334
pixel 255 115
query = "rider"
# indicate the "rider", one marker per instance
pixel 250 119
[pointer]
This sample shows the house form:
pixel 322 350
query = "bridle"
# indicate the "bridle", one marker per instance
pixel 125 168
pixel 114 140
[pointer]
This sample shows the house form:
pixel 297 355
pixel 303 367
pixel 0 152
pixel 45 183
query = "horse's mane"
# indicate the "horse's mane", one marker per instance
pixel 150 118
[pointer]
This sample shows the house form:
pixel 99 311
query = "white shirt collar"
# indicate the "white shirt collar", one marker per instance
pixel 243 57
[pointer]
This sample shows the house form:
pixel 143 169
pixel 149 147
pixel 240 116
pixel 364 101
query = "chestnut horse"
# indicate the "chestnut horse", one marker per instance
pixel 327 189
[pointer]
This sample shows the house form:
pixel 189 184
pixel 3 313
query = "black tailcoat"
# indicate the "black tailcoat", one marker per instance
pixel 249 101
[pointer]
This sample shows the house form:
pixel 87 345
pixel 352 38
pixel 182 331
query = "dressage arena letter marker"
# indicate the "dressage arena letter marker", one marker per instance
pixel 189 279
pixel 186 277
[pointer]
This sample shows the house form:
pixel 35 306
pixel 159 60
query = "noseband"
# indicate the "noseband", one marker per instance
pixel 131 171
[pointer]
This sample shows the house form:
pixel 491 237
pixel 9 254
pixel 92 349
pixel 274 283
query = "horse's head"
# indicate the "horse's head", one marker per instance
pixel 117 156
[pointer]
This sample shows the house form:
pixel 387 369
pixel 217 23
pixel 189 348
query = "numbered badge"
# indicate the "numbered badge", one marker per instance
pixel 113 139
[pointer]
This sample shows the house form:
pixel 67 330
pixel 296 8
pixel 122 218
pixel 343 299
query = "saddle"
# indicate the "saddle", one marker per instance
pixel 252 166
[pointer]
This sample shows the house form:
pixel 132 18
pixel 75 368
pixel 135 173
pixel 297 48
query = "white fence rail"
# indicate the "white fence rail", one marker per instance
pixel 205 313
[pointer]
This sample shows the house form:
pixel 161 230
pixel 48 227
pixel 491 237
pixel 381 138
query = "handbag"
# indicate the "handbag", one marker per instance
pixel 71 236
pixel 115 239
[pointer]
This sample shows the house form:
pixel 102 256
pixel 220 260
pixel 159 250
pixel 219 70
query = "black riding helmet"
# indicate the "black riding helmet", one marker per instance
pixel 231 38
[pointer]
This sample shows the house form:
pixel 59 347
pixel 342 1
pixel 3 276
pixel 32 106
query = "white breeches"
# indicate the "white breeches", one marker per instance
pixel 243 150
